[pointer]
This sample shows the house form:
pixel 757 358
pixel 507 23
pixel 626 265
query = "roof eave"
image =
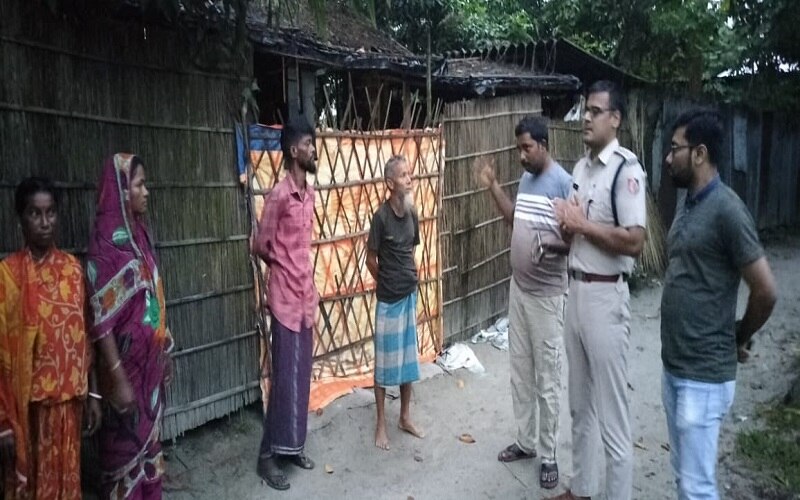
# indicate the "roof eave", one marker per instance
pixel 281 43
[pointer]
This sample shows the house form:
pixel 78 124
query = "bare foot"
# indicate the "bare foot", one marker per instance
pixel 381 439
pixel 405 425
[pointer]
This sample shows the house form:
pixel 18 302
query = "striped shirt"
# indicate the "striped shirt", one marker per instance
pixel 534 221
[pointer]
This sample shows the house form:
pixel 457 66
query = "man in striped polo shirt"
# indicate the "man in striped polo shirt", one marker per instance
pixel 536 297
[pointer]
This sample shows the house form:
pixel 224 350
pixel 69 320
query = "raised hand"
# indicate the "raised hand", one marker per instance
pixel 483 167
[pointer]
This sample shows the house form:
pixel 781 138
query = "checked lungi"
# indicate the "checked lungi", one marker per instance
pixel 396 342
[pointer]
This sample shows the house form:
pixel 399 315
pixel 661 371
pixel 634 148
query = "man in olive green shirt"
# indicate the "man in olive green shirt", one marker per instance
pixel 712 244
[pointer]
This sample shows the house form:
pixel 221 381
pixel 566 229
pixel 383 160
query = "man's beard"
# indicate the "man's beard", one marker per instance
pixel 681 179
pixel 309 166
pixel 408 201
pixel 531 168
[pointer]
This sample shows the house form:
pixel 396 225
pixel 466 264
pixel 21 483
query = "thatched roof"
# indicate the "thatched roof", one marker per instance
pixel 344 40
pixel 554 56
pixel 340 26
pixel 476 76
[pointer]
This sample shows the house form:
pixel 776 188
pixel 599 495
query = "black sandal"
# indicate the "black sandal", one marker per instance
pixel 272 474
pixel 548 477
pixel 512 453
pixel 302 461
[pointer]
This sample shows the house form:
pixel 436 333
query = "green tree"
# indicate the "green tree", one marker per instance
pixel 683 42
pixel 455 24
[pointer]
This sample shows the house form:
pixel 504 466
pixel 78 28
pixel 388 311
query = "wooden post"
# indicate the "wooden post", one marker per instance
pixel 429 96
pixel 407 104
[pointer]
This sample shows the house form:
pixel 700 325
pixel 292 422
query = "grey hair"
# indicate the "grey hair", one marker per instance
pixel 391 165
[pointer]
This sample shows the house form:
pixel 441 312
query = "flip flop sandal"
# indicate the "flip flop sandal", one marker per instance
pixel 302 461
pixel 548 477
pixel 512 453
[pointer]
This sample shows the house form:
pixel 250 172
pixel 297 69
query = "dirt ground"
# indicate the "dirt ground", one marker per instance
pixel 218 460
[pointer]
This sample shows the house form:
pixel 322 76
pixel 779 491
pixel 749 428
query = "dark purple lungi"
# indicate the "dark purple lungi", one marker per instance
pixel 285 423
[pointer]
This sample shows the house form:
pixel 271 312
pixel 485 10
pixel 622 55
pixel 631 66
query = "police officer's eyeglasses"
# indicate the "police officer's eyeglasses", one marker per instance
pixel 595 111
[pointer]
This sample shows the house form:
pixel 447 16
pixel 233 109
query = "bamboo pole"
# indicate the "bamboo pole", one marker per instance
pixel 499 114
pixel 260 282
pixel 123 63
pixel 477 291
pixel 216 343
pixel 429 92
pixel 7 106
pixel 210 399
pixel 481 153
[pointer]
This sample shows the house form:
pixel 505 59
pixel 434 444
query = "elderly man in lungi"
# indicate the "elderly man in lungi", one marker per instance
pixel 390 259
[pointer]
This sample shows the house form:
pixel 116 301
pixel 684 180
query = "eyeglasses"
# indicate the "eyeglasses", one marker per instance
pixel 674 149
pixel 595 111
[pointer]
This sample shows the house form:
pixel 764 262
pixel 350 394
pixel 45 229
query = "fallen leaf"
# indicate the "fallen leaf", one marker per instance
pixel 466 438
pixel 328 468
pixel 319 412
pixel 665 446
pixel 417 458
pixel 640 444
pixel 460 384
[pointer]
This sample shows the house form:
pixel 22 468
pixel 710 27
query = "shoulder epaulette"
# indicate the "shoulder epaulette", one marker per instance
pixel 627 155
pixel 628 158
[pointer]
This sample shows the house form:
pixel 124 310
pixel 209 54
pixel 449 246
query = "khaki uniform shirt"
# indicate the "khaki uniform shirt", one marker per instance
pixel 591 183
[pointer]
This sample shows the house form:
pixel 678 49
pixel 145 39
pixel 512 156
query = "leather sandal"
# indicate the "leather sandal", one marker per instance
pixel 512 453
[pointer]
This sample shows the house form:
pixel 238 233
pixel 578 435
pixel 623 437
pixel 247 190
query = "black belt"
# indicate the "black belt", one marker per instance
pixel 601 278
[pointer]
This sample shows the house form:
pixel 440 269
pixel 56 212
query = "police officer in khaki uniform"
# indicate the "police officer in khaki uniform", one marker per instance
pixel 605 218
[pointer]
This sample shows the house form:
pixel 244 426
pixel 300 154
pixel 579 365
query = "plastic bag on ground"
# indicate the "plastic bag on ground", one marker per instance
pixel 459 356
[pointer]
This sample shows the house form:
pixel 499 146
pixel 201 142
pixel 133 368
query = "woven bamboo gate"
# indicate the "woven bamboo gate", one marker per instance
pixel 350 187
pixel 73 92
pixel 475 239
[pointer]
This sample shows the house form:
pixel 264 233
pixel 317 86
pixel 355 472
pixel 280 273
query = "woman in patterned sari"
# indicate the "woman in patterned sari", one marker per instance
pixel 44 362
pixel 130 334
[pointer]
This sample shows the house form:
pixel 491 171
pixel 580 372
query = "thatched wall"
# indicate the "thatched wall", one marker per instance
pixel 475 239
pixel 74 91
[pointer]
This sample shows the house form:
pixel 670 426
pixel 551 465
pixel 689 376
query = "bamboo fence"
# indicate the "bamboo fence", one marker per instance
pixel 350 188
pixel 75 91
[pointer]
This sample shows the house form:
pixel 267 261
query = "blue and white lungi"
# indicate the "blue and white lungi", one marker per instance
pixel 396 360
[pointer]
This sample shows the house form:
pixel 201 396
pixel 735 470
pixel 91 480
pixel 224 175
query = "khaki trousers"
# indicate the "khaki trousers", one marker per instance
pixel 596 336
pixel 535 338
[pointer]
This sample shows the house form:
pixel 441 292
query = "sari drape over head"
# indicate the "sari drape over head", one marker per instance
pixel 127 302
